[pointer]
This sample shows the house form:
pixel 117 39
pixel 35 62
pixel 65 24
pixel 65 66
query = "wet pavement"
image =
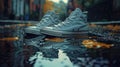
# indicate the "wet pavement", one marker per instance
pixel 61 55
pixel 38 53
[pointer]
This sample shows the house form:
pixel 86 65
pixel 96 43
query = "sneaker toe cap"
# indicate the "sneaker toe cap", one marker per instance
pixel 32 29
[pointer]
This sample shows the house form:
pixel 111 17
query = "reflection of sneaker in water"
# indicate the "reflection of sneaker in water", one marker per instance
pixel 49 18
pixel 74 25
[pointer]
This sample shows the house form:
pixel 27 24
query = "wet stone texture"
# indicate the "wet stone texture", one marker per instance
pixel 53 54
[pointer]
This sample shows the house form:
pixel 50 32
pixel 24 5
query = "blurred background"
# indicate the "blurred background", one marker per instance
pixel 98 10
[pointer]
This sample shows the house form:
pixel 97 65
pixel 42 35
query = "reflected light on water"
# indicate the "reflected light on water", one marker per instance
pixel 62 60
pixel 57 1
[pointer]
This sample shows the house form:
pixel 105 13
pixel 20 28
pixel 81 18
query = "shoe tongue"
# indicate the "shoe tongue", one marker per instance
pixel 76 14
pixel 49 13
pixel 49 18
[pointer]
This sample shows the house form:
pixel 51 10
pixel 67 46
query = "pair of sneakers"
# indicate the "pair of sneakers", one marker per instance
pixel 74 25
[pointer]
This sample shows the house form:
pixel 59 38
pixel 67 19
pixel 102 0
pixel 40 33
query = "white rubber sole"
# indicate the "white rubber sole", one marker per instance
pixel 64 33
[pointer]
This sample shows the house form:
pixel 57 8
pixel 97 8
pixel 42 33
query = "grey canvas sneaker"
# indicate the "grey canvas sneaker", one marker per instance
pixel 50 18
pixel 74 25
